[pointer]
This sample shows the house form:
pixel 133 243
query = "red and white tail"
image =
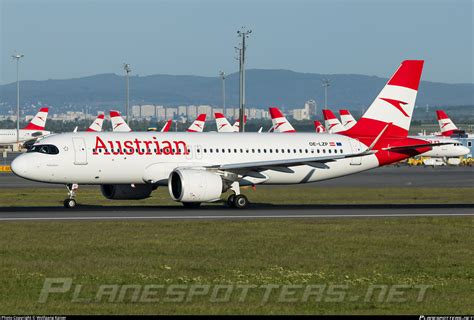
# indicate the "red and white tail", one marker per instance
pixel 236 125
pixel 222 124
pixel 167 126
pixel 96 126
pixel 39 120
pixel 198 124
pixel 394 104
pixel 319 127
pixel 118 124
pixel 279 121
pixel 333 125
pixel 446 125
pixel 347 119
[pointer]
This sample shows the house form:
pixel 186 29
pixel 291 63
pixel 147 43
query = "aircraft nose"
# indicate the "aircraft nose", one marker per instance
pixel 465 150
pixel 19 166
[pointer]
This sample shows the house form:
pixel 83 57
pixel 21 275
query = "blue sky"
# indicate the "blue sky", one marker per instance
pixel 65 39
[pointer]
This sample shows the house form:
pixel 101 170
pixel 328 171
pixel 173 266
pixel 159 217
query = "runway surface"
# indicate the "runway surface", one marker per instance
pixel 391 176
pixel 257 211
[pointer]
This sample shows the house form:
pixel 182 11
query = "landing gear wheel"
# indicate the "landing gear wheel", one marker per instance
pixel 191 204
pixel 69 203
pixel 240 201
pixel 230 200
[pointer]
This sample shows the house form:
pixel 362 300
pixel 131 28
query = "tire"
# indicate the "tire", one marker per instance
pixel 230 200
pixel 240 201
pixel 69 203
pixel 191 204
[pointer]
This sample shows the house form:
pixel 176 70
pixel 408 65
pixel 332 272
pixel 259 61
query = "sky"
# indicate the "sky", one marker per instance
pixel 72 38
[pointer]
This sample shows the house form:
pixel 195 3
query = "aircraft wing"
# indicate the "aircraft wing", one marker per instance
pixel 290 162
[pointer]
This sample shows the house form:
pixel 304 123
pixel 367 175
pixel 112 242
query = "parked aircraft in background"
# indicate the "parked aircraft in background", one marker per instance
pixel 96 126
pixel 279 121
pixel 198 124
pixel 167 126
pixel 236 125
pixel 319 127
pixel 332 124
pixel 33 130
pixel 118 124
pixel 200 167
pixel 347 119
pixel 222 124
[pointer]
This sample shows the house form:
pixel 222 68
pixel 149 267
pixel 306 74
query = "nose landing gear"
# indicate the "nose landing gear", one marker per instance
pixel 71 202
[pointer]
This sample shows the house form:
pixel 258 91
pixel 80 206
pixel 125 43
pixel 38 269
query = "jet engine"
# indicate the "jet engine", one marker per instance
pixel 126 191
pixel 191 185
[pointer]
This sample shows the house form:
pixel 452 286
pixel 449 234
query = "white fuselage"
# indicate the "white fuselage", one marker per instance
pixel 452 150
pixel 9 136
pixel 80 161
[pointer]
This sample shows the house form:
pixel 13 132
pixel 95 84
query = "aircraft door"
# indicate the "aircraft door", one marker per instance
pixel 198 152
pixel 80 152
pixel 356 148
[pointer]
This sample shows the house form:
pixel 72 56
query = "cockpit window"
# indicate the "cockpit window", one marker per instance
pixel 44 148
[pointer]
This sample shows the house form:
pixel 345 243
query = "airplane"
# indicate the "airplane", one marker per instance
pixel 447 126
pixel 33 130
pixel 118 123
pixel 199 168
pixel 223 125
pixel 319 127
pixel 333 125
pixel 279 121
pixel 236 125
pixel 96 126
pixel 198 124
pixel 347 119
pixel 167 126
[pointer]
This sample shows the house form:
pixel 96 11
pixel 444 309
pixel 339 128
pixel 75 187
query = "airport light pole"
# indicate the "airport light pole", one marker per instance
pixel 17 57
pixel 243 34
pixel 127 69
pixel 223 75
pixel 325 83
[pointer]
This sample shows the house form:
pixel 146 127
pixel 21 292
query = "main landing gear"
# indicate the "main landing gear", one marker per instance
pixel 70 202
pixel 237 200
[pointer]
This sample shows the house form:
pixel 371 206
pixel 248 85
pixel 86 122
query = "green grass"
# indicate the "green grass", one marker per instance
pixel 353 252
pixel 274 195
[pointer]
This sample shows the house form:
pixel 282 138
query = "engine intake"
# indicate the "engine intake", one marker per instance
pixel 126 191
pixel 190 185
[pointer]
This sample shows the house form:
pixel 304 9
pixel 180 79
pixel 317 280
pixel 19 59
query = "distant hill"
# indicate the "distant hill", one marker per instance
pixel 265 88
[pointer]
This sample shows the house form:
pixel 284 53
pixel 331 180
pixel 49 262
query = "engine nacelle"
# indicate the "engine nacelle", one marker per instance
pixel 191 185
pixel 126 191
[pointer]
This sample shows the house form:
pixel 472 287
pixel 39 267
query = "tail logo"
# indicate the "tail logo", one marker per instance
pixel 397 104
pixel 118 124
pixel 444 125
pixel 278 125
